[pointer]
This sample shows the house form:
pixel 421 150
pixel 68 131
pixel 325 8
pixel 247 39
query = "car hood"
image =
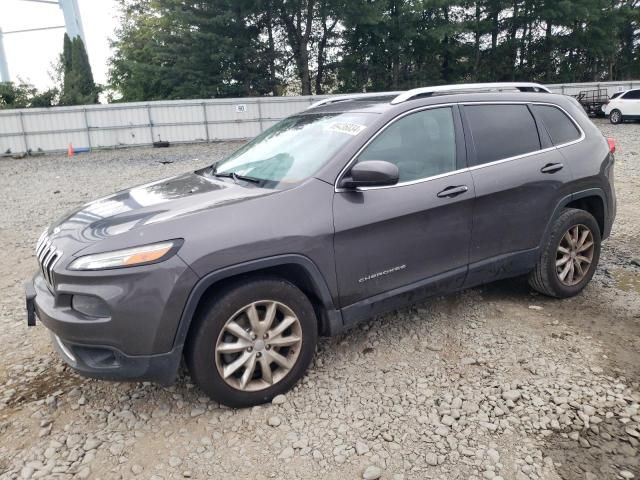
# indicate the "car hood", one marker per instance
pixel 147 204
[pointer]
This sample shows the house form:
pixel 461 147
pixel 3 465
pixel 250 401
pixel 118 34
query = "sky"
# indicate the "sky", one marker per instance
pixel 31 54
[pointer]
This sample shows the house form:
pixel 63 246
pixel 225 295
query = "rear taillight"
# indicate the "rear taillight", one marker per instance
pixel 612 144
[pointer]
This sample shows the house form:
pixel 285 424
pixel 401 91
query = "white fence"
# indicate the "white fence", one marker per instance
pixel 180 121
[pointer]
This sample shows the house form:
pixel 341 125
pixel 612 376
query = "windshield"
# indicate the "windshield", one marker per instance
pixel 295 148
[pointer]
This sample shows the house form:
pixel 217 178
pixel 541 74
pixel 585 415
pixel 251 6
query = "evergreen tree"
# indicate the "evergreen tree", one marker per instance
pixel 78 87
pixel 204 48
pixel 189 49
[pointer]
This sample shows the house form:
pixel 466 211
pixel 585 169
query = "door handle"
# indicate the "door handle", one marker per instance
pixel 552 168
pixel 451 192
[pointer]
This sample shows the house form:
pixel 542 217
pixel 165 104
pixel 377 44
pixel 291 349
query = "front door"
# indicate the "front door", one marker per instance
pixel 389 240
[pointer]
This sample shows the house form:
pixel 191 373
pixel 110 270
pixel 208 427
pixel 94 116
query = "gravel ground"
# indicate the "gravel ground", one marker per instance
pixel 492 383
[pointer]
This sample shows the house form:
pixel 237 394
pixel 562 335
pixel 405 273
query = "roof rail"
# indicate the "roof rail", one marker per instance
pixel 355 96
pixel 416 92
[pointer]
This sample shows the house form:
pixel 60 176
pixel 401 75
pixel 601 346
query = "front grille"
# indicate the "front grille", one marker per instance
pixel 48 256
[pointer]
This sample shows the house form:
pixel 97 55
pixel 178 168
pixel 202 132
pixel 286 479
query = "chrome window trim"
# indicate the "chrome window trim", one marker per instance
pixel 570 117
pixel 387 125
pixel 509 159
pixel 461 170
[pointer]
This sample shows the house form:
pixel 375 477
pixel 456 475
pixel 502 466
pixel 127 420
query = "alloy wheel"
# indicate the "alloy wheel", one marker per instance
pixel 615 116
pixel 575 255
pixel 258 345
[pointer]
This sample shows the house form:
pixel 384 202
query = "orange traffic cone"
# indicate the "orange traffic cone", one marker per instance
pixel 70 151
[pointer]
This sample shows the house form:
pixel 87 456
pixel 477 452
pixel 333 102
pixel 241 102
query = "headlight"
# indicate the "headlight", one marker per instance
pixel 128 257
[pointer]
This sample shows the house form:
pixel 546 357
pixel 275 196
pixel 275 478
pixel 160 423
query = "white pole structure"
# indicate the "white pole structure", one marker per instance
pixel 73 24
pixel 72 19
pixel 4 68
pixel 71 14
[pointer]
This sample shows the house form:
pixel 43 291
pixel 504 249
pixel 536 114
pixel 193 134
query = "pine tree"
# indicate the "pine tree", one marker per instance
pixel 78 87
pixel 204 48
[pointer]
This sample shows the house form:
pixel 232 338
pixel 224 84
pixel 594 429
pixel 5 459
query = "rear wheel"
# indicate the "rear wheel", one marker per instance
pixel 252 342
pixel 615 117
pixel 569 257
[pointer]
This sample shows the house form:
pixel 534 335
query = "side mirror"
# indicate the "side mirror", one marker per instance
pixel 371 173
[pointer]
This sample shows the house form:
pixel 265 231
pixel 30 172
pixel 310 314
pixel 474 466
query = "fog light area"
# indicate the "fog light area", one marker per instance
pixel 90 306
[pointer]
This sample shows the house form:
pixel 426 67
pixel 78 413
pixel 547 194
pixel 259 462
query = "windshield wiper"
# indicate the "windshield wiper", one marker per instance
pixel 235 176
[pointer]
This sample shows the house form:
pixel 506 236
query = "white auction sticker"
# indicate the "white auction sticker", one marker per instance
pixel 345 127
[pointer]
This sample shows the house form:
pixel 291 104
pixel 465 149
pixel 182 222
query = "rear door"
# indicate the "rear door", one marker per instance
pixel 519 178
pixel 393 238
pixel 631 103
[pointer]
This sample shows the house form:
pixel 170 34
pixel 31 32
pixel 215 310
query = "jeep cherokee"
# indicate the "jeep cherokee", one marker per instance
pixel 359 205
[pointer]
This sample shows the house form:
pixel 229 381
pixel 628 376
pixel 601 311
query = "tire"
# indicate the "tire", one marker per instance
pixel 248 384
pixel 615 117
pixel 546 276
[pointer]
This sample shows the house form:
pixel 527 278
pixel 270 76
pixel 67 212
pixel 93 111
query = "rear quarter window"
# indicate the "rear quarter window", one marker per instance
pixel 501 131
pixel 560 127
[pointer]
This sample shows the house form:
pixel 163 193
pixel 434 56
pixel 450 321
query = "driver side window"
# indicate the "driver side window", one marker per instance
pixel 421 144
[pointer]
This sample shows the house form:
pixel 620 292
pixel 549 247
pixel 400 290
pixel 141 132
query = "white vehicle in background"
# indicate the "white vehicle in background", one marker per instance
pixel 623 106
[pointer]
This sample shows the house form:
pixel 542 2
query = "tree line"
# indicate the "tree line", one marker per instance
pixel 175 49
pixel 180 49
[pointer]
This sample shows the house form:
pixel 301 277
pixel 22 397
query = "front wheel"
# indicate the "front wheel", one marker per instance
pixel 615 117
pixel 569 257
pixel 252 342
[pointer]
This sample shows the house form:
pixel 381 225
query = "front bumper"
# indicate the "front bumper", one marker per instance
pixel 107 363
pixel 136 340
pixel 96 361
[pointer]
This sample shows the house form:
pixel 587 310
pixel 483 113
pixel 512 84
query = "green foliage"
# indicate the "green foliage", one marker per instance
pixel 225 48
pixel 23 95
pixel 78 87
pixel 173 49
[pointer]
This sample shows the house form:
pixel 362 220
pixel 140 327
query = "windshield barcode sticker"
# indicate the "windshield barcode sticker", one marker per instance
pixel 345 127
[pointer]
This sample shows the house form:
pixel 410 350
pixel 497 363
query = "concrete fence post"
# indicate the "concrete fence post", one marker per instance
pixel 86 126
pixel 150 122
pixel 24 132
pixel 206 121
pixel 260 120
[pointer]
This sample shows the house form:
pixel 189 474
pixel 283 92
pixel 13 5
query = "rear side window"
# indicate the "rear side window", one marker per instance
pixel 501 131
pixel 632 95
pixel 559 126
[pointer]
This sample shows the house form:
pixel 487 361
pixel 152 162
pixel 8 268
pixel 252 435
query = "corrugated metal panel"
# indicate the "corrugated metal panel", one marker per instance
pixel 278 110
pixel 106 117
pixel 576 88
pixel 180 133
pixel 121 137
pixel 56 141
pixel 69 120
pixel 141 123
pixel 166 114
pixel 242 110
pixel 12 143
pixel 233 131
pixel 10 124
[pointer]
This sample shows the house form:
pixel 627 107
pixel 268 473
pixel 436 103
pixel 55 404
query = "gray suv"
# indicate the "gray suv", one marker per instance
pixel 359 205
